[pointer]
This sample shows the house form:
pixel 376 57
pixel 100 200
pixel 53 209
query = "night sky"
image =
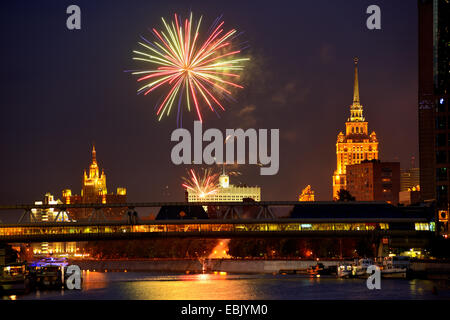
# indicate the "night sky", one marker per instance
pixel 62 90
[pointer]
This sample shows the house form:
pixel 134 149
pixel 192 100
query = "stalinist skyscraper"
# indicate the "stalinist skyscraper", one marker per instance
pixel 356 144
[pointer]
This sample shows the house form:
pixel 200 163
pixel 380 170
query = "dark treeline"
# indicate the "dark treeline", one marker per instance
pixel 301 248
pixel 237 248
pixel 150 248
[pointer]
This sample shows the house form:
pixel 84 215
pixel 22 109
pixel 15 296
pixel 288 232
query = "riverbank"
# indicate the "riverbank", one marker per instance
pixel 196 266
pixel 255 266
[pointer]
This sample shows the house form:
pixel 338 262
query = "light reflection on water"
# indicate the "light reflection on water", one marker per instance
pixel 158 286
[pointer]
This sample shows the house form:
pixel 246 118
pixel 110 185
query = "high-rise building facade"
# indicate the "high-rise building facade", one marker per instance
pixel 374 181
pixel 94 190
pixel 356 145
pixel 433 106
pixel 409 179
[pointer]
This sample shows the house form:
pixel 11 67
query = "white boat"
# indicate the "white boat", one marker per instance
pixel 360 270
pixel 344 270
pixel 395 267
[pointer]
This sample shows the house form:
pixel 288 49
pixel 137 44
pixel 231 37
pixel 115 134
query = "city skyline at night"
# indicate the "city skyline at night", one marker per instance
pixel 226 155
pixel 301 87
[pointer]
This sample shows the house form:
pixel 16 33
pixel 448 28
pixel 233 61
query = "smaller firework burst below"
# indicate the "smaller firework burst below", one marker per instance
pixel 204 185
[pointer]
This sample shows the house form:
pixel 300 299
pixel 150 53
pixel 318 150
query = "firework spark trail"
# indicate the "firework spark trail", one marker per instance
pixel 182 63
pixel 202 185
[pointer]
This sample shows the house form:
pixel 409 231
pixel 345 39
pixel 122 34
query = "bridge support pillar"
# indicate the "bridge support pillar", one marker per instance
pixel 265 212
pixel 28 213
pixel 232 213
pixel 132 216
pixel 63 213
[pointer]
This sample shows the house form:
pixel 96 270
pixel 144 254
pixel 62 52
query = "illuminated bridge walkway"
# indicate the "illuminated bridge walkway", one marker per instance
pixel 38 232
pixel 385 223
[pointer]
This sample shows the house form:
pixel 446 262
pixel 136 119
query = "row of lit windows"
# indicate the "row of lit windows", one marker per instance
pixel 351 154
pixel 240 199
pixel 28 231
pixel 359 148
pixel 356 156
pixel 223 198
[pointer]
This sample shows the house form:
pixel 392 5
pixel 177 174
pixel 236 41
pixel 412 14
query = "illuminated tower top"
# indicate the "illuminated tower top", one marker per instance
pixel 95 183
pixel 93 168
pixel 356 109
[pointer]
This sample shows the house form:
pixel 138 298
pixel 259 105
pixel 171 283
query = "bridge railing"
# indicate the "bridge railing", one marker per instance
pixel 96 211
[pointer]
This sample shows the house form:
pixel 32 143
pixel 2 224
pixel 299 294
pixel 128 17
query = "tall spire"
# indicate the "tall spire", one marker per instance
pixel 94 154
pixel 356 85
pixel 356 109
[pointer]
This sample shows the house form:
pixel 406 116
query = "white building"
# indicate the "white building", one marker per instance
pixel 227 192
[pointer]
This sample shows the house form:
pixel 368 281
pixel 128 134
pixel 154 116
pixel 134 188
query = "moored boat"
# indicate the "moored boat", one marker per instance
pixel 319 269
pixel 344 270
pixel 395 267
pixel 360 269
pixel 50 277
pixel 14 278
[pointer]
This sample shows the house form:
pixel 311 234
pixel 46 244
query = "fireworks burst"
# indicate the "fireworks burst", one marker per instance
pixel 202 186
pixel 191 70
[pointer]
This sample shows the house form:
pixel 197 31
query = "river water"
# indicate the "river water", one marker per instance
pixel 158 286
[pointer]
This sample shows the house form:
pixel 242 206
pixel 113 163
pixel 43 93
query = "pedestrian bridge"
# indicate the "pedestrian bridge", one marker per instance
pixel 286 228
pixel 373 221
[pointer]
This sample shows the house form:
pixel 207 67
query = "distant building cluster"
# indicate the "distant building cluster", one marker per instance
pixel 51 215
pixel 226 192
pixel 307 194
pixel 94 190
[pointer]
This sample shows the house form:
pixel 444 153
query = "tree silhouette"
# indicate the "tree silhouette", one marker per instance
pixel 344 195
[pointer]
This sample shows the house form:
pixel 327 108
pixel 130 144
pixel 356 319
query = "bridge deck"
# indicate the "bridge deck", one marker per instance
pixel 36 232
